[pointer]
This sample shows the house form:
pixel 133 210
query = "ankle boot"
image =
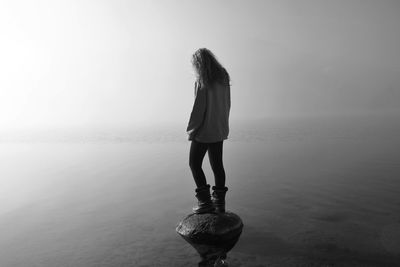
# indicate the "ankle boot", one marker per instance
pixel 203 196
pixel 218 198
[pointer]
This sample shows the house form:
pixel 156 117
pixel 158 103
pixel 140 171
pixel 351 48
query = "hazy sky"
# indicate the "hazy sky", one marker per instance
pixel 123 62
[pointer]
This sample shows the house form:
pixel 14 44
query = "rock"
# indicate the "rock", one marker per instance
pixel 211 234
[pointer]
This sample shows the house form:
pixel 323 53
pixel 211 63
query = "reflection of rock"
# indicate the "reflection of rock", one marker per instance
pixel 211 234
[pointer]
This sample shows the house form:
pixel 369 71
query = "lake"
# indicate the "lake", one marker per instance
pixel 310 192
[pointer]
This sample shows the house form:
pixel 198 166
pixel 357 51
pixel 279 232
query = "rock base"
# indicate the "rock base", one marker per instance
pixel 211 234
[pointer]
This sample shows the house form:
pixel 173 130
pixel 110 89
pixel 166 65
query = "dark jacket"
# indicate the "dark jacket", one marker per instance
pixel 209 120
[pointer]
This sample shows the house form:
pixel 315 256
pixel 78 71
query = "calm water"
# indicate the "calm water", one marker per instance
pixel 310 192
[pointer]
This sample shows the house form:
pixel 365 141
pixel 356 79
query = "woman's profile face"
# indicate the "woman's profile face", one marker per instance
pixel 195 72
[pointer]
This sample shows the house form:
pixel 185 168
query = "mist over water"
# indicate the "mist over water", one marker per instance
pixel 93 173
pixel 309 190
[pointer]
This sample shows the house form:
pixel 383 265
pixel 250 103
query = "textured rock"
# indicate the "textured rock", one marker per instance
pixel 211 234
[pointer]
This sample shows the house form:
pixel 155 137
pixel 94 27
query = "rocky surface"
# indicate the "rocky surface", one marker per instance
pixel 211 234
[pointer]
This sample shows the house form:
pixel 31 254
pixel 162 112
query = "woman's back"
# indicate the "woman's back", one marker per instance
pixel 215 126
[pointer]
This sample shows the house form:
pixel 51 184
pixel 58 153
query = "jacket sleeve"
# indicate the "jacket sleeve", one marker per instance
pixel 198 111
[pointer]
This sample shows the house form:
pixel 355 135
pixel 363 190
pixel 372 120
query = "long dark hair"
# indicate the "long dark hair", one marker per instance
pixel 208 68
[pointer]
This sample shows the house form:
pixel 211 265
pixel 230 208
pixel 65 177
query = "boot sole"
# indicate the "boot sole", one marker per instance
pixel 205 210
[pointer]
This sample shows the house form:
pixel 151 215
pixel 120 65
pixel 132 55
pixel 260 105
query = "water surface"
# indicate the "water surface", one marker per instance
pixel 311 192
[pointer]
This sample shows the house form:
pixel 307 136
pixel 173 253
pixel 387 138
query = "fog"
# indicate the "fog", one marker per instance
pixel 85 63
pixel 95 97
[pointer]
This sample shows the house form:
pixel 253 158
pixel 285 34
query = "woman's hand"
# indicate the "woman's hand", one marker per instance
pixel 190 135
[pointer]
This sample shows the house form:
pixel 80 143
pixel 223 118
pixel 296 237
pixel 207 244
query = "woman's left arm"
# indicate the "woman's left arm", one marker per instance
pixel 198 111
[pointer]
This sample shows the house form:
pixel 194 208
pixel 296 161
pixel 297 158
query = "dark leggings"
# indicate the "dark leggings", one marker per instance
pixel 196 156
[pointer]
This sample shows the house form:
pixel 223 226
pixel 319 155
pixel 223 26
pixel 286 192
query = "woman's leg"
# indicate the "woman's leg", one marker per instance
pixel 196 156
pixel 215 157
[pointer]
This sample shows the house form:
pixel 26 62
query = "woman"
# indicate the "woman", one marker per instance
pixel 208 127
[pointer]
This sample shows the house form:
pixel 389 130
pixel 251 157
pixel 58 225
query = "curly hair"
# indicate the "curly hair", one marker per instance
pixel 208 68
